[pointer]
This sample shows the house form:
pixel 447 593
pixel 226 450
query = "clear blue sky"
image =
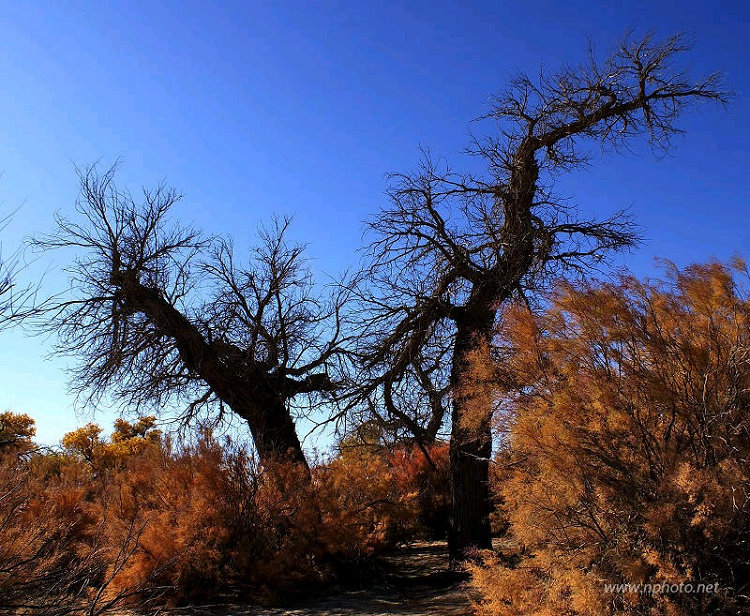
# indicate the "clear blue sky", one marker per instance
pixel 300 107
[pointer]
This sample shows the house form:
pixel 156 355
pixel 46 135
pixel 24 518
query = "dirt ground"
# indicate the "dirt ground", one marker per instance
pixel 415 581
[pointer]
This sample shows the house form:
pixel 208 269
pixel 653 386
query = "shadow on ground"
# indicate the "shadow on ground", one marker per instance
pixel 413 581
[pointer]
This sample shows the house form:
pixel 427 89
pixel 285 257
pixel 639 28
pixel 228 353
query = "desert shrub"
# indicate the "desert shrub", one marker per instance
pixel 60 546
pixel 427 478
pixel 52 559
pixel 105 455
pixel 214 522
pixel 186 504
pixel 398 491
pixel 627 449
pixel 146 519
pixel 364 504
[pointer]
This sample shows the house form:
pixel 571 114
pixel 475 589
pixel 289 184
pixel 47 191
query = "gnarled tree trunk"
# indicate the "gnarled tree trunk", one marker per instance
pixel 252 393
pixel 271 425
pixel 470 447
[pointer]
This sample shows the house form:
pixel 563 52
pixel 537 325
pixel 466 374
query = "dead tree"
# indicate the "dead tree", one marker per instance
pixel 452 248
pixel 159 315
pixel 15 299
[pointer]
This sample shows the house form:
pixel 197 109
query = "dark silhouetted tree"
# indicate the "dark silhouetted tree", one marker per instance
pixel 159 314
pixel 452 248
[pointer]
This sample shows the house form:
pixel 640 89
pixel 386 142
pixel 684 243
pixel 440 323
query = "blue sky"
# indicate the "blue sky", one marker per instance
pixel 301 108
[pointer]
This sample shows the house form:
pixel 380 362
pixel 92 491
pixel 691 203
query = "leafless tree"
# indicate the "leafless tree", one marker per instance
pixel 14 299
pixel 158 314
pixel 452 248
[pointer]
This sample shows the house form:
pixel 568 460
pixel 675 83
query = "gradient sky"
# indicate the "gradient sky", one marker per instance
pixel 301 108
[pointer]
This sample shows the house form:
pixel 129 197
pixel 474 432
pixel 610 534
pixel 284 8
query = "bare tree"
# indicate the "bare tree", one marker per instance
pixel 452 248
pixel 14 299
pixel 158 314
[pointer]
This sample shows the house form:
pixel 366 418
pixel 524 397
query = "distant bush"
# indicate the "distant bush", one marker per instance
pixel 428 480
pixel 16 432
pixel 626 449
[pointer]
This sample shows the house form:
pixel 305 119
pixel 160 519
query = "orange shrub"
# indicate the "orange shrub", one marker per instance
pixel 147 520
pixel 213 521
pixel 50 556
pixel 627 450
pixel 427 479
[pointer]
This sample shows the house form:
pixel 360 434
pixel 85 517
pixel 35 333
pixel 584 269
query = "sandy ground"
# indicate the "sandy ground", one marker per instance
pixel 415 582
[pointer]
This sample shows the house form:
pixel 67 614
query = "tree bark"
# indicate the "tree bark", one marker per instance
pixel 271 425
pixel 470 452
pixel 240 383
pixel 471 448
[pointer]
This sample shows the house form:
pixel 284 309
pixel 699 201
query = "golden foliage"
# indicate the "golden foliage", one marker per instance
pixel 626 451
pixel 16 431
pixel 136 517
pixel 126 441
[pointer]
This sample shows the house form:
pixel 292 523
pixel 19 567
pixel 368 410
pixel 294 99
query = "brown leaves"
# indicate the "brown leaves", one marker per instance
pixel 628 444
pixel 138 518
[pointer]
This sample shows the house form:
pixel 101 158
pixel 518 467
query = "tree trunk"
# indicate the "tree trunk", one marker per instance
pixel 272 428
pixel 470 451
pixel 245 388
